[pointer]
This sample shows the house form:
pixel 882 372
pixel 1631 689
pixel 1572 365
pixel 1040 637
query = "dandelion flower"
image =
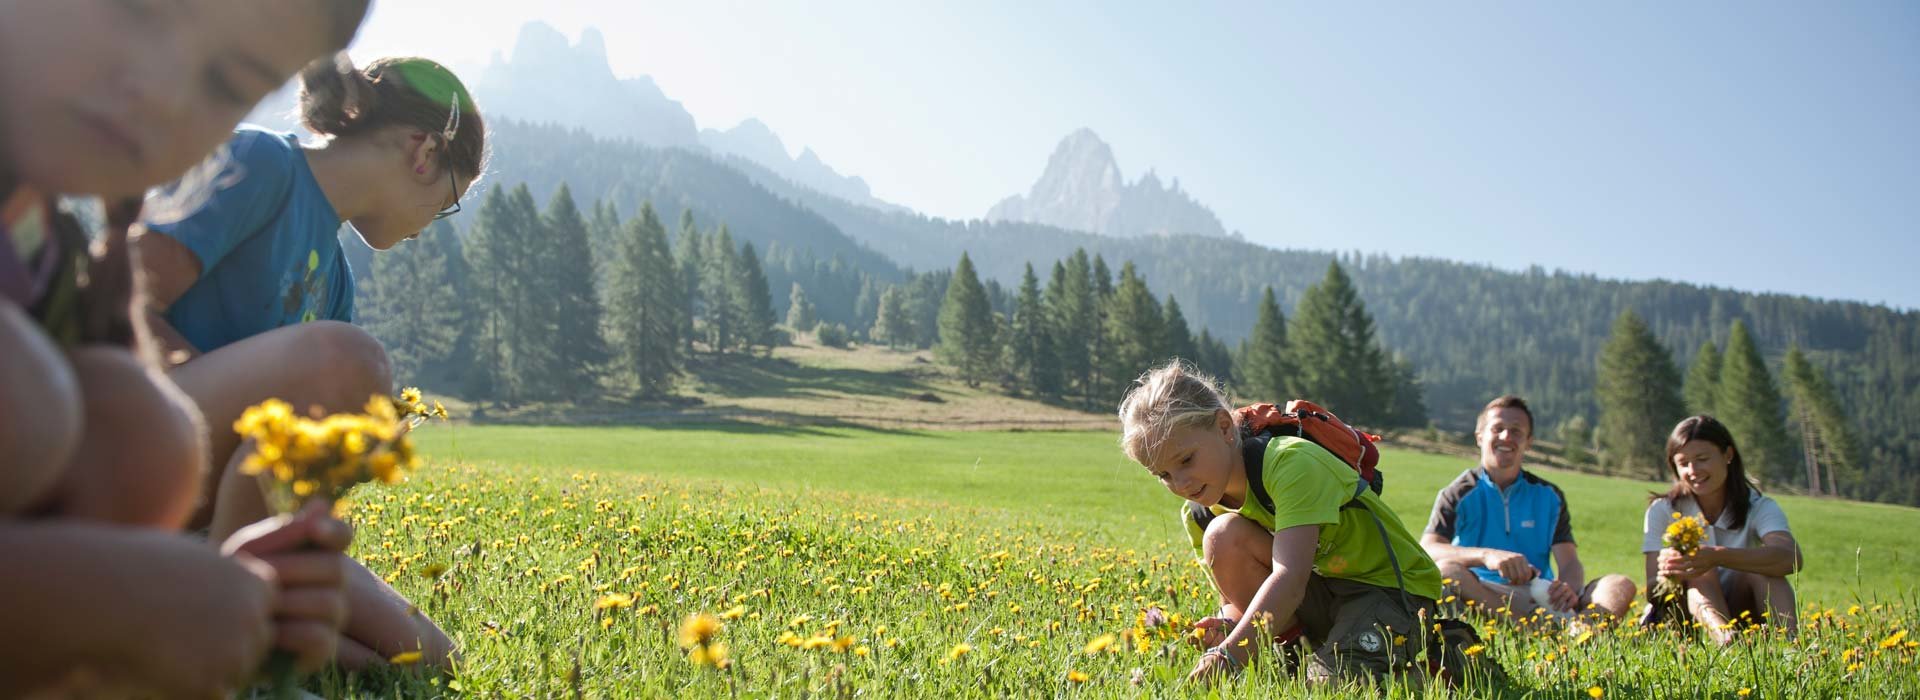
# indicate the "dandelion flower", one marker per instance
pixel 1076 676
pixel 959 650
pixel 1894 640
pixel 698 630
pixel 613 600
pixel 1101 643
pixel 1596 692
pixel 405 658
pixel 1475 649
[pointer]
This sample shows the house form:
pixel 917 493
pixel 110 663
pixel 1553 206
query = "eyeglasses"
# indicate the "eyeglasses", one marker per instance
pixel 453 185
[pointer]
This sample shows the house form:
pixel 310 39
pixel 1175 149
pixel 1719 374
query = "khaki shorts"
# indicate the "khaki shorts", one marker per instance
pixel 1359 629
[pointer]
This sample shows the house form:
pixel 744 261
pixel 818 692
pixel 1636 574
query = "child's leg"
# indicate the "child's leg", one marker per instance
pixel 381 624
pixel 326 364
pixel 40 414
pixel 1373 634
pixel 140 461
pixel 1752 595
pixel 1609 595
pixel 1240 554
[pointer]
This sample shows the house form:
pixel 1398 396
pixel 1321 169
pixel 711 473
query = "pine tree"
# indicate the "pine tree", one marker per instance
pixel 644 303
pixel 1749 404
pixel 717 289
pixel 532 351
pixel 410 304
pixel 1337 361
pixel 1639 400
pixel 1030 346
pixel 690 251
pixel 501 253
pixel 603 229
pixel 1180 341
pixel 891 324
pixel 576 346
pixel 1135 332
pixel 1100 358
pixel 1266 368
pixel 1703 380
pixel 1821 421
pixel 1406 406
pixel 966 325
pixel 800 312
pixel 1072 303
pixel 866 306
pixel 755 301
pixel 1214 358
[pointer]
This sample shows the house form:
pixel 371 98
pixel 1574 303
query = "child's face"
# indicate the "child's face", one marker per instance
pixel 1197 462
pixel 111 97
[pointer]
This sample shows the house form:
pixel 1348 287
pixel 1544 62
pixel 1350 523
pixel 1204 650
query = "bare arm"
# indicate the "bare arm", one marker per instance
pixel 1279 598
pixel 167 270
pixel 1778 555
pixel 1513 567
pixel 1566 559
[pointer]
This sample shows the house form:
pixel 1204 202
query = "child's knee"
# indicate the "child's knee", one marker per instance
pixel 1614 584
pixel 1231 533
pixel 353 364
pixel 40 412
pixel 145 447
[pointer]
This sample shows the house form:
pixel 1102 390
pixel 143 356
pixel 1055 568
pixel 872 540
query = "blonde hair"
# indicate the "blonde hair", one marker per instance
pixel 1172 396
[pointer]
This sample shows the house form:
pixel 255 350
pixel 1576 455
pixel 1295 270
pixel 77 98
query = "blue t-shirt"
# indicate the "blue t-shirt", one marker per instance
pixel 1528 518
pixel 266 240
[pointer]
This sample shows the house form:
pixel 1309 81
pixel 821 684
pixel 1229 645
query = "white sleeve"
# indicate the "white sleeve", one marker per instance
pixel 1659 514
pixel 1767 518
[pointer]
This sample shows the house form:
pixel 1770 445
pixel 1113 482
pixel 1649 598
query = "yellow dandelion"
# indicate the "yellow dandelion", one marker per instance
pixel 405 658
pixel 1596 692
pixel 959 650
pixel 1744 692
pixel 734 613
pixel 1101 643
pixel 714 655
pixel 1894 640
pixel 1076 677
pixel 613 600
pixel 698 630
pixel 1475 649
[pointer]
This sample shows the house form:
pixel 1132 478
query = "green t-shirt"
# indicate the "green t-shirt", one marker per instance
pixel 1308 485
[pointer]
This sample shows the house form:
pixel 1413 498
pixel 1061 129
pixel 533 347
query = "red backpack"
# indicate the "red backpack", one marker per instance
pixel 1304 419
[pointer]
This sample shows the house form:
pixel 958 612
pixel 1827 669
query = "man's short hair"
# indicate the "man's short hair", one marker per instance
pixel 1507 401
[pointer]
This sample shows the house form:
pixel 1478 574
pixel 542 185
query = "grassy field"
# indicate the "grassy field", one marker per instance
pixel 850 561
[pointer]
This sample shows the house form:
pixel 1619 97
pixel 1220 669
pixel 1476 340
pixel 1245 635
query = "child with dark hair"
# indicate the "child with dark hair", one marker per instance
pixel 250 273
pixel 1740 571
pixel 99 453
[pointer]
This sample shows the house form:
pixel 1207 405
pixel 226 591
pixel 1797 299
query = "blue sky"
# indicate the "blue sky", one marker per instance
pixel 1759 145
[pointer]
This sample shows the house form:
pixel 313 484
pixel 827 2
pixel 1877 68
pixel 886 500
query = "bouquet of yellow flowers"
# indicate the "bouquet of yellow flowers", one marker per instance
pixel 301 459
pixel 1684 535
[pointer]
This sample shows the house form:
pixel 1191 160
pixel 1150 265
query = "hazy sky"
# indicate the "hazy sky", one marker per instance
pixel 1756 145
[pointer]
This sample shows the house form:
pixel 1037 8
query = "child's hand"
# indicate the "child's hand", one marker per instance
pixel 1213 631
pixel 1213 666
pixel 306 563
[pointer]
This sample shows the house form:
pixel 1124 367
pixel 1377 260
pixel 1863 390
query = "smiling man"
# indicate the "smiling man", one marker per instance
pixel 1494 527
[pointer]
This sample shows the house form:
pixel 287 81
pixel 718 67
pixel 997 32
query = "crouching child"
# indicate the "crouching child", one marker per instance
pixel 1298 546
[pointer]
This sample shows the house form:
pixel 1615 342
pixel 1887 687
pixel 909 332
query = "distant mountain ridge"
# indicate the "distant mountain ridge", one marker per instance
pixel 1082 189
pixel 754 141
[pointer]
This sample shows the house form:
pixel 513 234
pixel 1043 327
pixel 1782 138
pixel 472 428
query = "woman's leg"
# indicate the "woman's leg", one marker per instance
pixel 324 365
pixel 1771 596
pixel 1708 603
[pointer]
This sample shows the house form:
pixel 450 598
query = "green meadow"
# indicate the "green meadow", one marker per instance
pixel 854 562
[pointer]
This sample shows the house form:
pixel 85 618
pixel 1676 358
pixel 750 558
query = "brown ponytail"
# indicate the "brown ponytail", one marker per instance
pixel 339 100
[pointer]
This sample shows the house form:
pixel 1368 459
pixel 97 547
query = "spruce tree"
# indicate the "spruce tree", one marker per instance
pixel 690 252
pixel 644 303
pixel 410 304
pixel 1099 356
pixel 1406 406
pixel 1180 341
pixel 533 353
pixel 892 325
pixel 576 346
pixel 1073 304
pixel 1703 380
pixel 1213 357
pixel 1750 405
pixel 1135 332
pixel 866 306
pixel 755 301
pixel 800 312
pixel 718 285
pixel 1338 363
pixel 1030 348
pixel 966 325
pixel 1821 422
pixel 500 253
pixel 1638 392
pixel 1266 371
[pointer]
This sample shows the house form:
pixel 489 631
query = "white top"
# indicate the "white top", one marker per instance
pixel 1764 517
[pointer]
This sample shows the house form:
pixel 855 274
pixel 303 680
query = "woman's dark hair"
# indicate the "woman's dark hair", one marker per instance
pixel 1739 489
pixel 337 99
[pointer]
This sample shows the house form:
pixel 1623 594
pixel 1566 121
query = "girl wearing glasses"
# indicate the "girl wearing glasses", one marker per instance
pixel 250 293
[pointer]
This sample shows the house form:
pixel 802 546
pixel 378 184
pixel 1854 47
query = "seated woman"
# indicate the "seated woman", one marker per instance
pixel 1740 571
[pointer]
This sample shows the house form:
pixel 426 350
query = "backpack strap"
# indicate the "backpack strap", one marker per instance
pixel 1199 514
pixel 1253 451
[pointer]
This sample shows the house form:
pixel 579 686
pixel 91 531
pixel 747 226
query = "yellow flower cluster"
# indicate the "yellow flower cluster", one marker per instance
pixel 323 458
pixel 1685 535
pixel 699 637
